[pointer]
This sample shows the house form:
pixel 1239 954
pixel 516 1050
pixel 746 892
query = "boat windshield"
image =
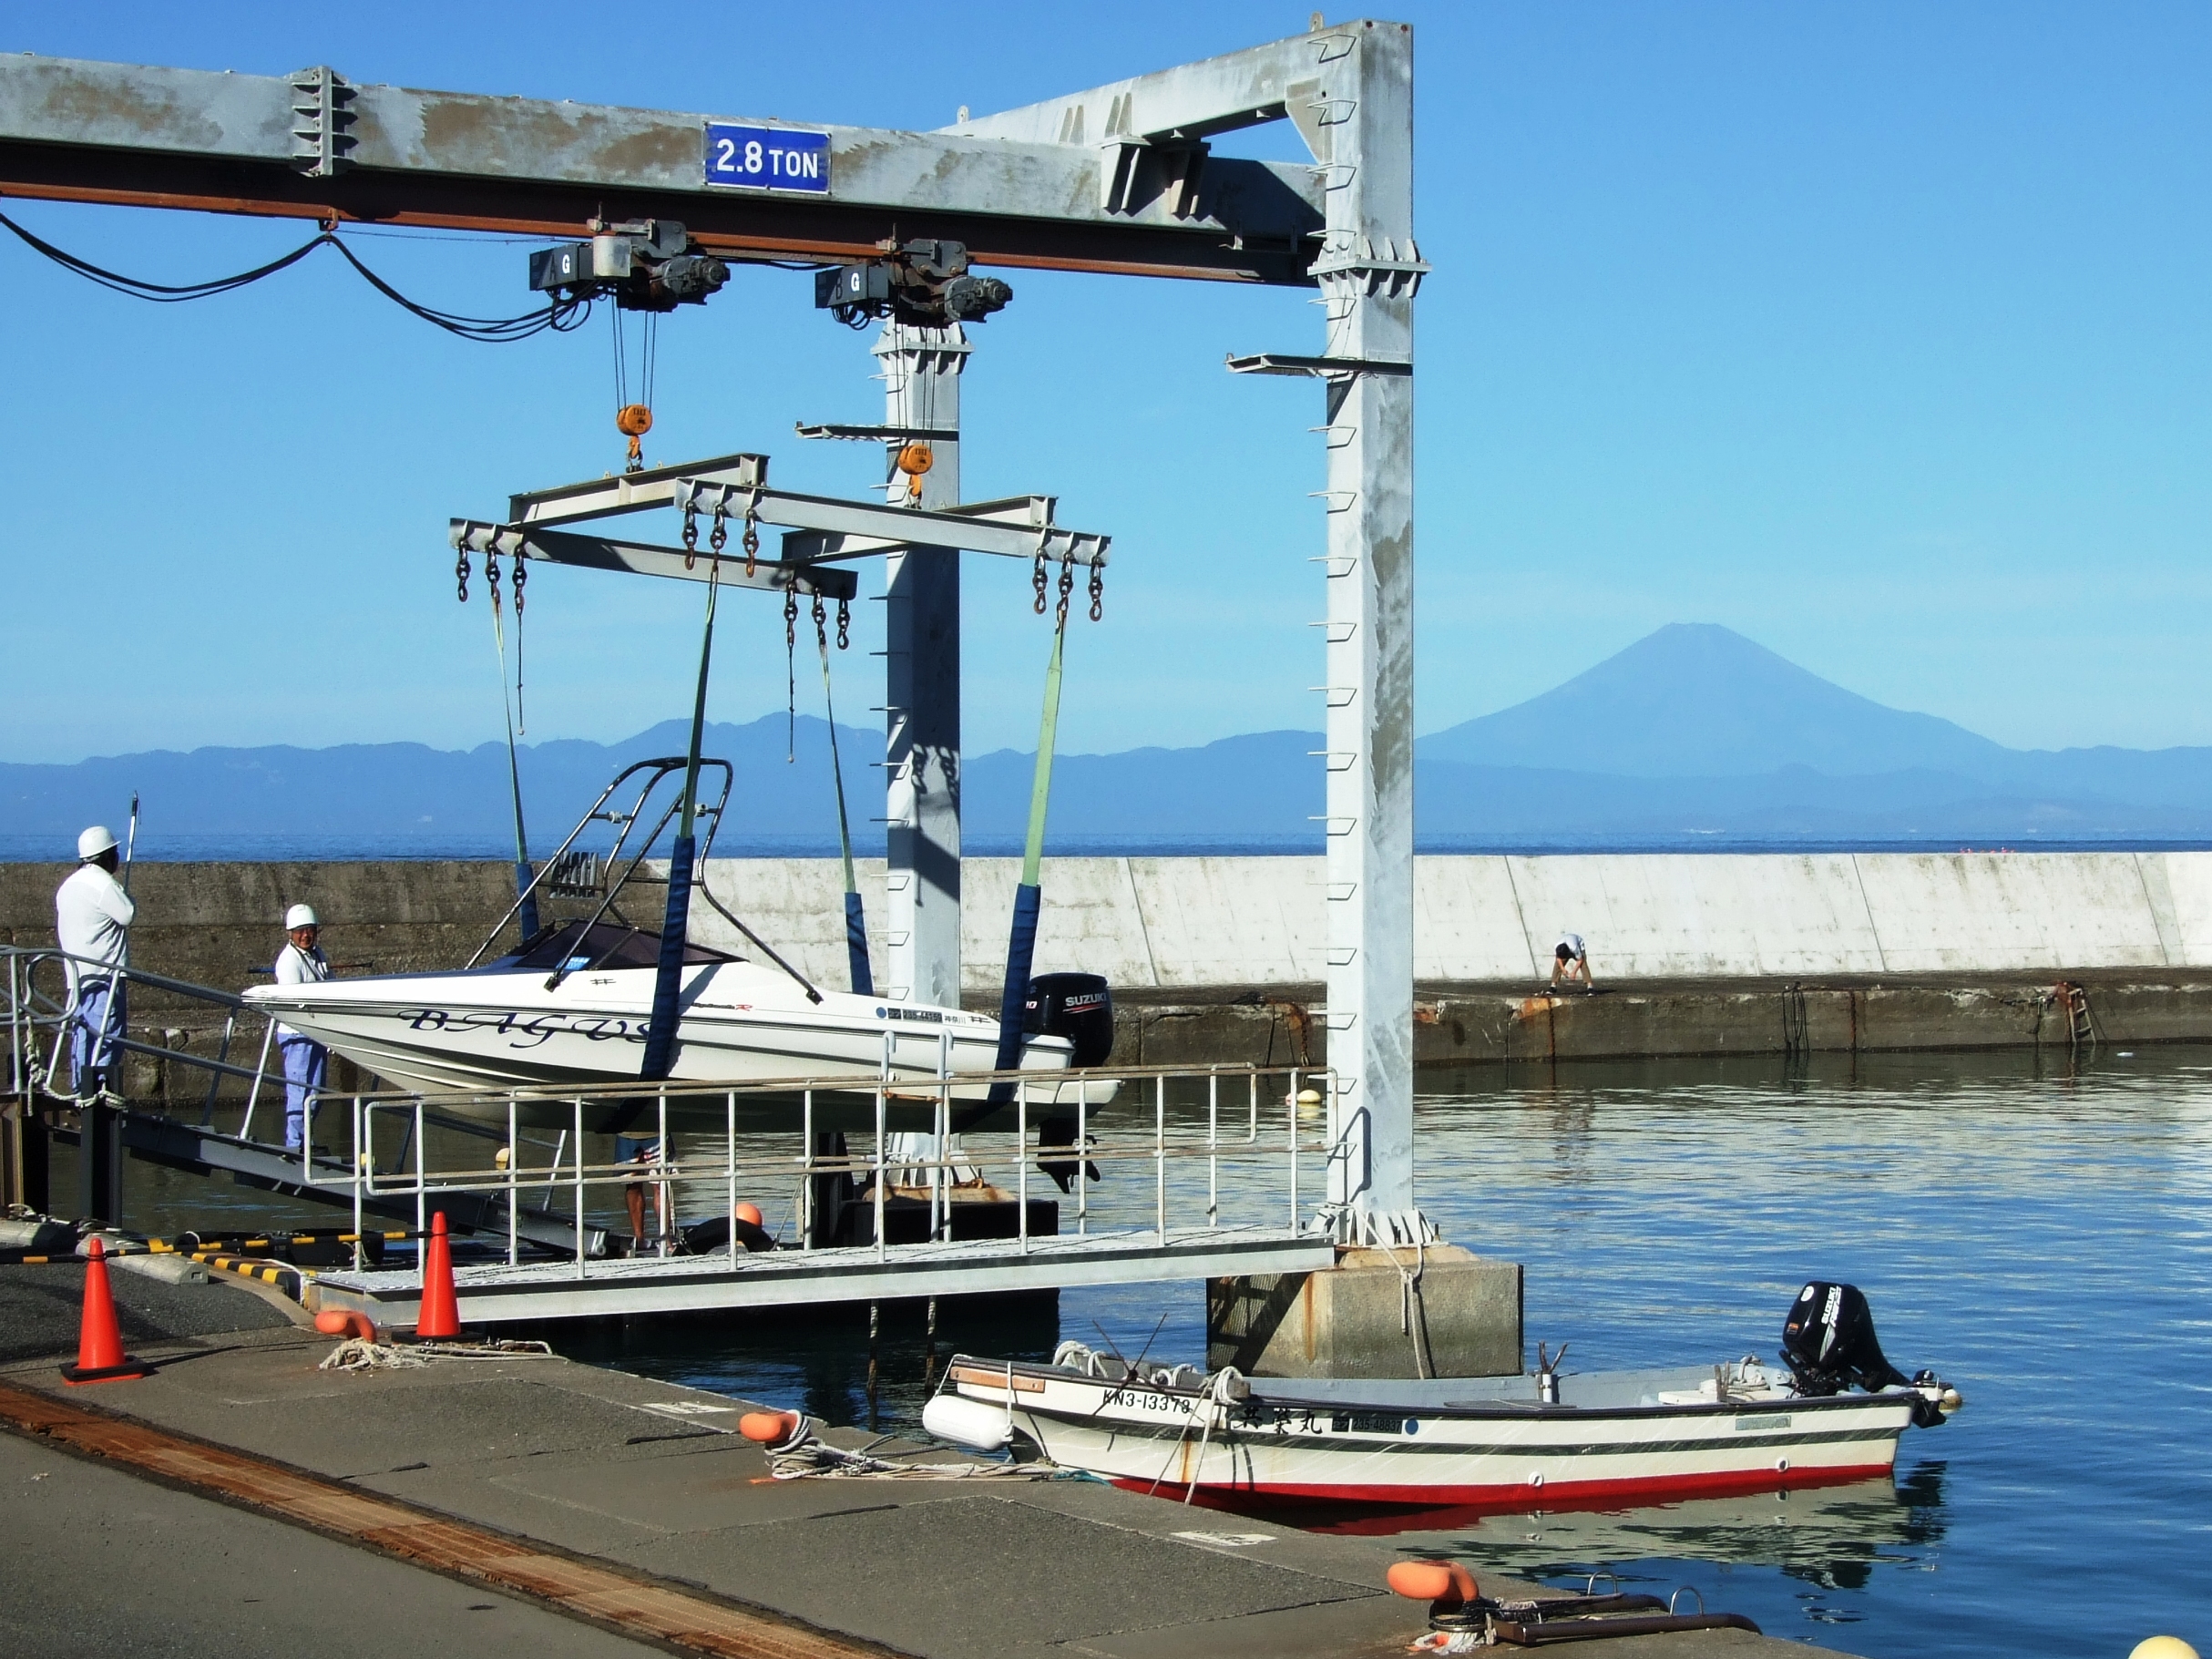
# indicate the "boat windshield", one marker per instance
pixel 574 948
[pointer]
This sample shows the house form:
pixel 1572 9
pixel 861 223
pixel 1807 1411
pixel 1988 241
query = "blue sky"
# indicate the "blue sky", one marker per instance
pixel 1877 332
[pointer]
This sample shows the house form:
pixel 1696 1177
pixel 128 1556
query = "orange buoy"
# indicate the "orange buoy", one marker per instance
pixel 769 1428
pixel 335 1322
pixel 748 1213
pixel 1432 1581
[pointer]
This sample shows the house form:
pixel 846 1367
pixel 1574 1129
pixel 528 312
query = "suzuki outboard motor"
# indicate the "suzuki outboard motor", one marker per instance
pixel 1829 1344
pixel 1079 1007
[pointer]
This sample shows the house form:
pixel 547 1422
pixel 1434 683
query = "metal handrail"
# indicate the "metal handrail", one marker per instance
pixel 30 1012
pixel 875 1162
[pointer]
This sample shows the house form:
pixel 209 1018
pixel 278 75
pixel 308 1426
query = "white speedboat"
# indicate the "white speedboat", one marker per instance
pixel 511 1024
pixel 570 1011
pixel 1544 1440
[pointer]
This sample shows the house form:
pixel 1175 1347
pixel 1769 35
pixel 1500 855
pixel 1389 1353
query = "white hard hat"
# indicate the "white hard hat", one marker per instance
pixel 95 841
pixel 299 915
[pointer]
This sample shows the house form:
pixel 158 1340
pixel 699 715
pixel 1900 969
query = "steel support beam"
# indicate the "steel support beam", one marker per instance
pixel 921 373
pixel 1370 271
pixel 316 145
pixel 597 553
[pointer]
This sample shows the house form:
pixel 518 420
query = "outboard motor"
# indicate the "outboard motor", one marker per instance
pixel 1829 1344
pixel 1079 1007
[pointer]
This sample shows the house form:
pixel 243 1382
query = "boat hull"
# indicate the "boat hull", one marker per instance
pixel 1508 1456
pixel 486 1033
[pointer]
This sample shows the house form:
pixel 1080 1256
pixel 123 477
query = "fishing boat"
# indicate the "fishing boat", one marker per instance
pixel 1832 1411
pixel 571 1007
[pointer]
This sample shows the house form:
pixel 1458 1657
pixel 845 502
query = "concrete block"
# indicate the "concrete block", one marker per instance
pixel 1351 1320
pixel 2009 912
pixel 2183 883
pixel 1232 921
pixel 1699 916
pixel 1468 924
pixel 166 1268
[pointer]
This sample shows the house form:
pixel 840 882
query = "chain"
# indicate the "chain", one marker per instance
pixel 845 624
pixel 1067 587
pixel 751 541
pixel 520 575
pixel 821 624
pixel 460 574
pixel 491 578
pixel 791 675
pixel 691 538
pixel 718 536
pixel 1098 594
pixel 1037 580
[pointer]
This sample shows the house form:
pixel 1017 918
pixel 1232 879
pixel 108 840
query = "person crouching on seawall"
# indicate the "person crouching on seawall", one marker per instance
pixel 92 918
pixel 1571 962
pixel 306 1062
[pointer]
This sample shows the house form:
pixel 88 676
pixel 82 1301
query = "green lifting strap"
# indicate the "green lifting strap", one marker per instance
pixel 1029 898
pixel 660 1028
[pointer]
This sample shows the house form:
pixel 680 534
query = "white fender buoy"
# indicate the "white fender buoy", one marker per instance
pixel 966 1422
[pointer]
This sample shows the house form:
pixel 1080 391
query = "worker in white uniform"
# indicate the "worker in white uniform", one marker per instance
pixel 92 916
pixel 1571 961
pixel 306 1062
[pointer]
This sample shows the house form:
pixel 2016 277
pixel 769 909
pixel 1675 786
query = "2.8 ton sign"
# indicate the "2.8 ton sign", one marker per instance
pixel 768 157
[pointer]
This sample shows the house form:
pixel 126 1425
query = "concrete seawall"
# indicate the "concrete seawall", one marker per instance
pixel 1216 958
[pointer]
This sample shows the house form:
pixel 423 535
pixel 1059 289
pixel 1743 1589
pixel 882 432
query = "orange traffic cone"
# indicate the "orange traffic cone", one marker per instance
pixel 99 1340
pixel 440 1314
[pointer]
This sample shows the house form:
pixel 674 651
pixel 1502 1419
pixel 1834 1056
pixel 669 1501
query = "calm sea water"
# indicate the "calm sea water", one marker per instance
pixel 2039 1238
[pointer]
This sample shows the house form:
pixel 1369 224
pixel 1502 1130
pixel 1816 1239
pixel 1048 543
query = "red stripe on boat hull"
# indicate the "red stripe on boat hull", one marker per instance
pixel 1521 1498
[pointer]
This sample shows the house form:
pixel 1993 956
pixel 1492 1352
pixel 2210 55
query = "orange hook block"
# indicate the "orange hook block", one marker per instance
pixel 634 420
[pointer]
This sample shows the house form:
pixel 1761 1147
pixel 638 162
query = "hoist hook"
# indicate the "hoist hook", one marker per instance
pixel 913 460
pixel 635 420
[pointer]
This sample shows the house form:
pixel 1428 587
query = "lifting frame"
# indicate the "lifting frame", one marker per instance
pixel 1118 179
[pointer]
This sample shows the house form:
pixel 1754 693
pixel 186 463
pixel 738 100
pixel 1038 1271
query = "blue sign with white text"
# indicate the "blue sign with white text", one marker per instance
pixel 768 157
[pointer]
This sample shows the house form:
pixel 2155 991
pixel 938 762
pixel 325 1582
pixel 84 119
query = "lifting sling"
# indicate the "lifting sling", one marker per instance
pixel 667 979
pixel 1022 947
pixel 525 877
pixel 856 918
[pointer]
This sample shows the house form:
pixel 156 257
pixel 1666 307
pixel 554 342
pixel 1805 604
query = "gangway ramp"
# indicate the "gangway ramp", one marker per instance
pixel 156 1138
pixel 789 1278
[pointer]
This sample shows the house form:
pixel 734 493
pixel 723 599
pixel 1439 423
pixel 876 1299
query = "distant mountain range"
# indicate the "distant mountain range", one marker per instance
pixel 1693 736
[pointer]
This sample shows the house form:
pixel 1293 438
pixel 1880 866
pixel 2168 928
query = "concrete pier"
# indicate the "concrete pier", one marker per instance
pixel 628 1504
pixel 1436 1311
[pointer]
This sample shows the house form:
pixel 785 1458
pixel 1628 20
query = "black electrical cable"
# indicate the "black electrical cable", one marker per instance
pixel 161 293
pixel 561 314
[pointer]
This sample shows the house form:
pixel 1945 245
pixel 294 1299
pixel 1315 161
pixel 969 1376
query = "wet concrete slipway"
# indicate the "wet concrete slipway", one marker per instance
pixel 243 1502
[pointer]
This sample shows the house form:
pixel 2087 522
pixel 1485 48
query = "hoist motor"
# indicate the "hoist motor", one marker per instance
pixel 646 265
pixel 926 284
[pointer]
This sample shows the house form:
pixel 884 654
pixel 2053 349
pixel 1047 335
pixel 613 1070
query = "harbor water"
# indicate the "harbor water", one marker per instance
pixel 2039 1238
pixel 2037 1235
